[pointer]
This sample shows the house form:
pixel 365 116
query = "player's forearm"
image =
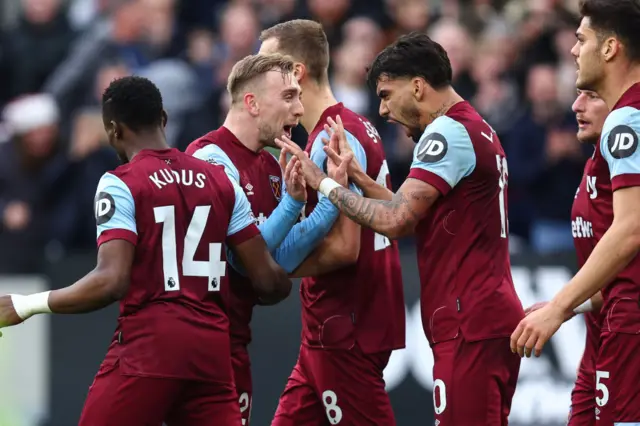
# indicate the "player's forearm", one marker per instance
pixel 277 226
pixel 388 218
pixel 305 236
pixel 94 291
pixel 611 255
pixel 370 188
pixel 341 248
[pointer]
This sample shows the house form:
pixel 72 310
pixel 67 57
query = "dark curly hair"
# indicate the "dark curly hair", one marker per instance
pixel 412 55
pixel 133 101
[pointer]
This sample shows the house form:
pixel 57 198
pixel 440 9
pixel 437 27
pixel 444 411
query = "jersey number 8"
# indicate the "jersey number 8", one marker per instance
pixel 213 269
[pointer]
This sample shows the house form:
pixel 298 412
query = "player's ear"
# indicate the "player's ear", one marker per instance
pixel 609 48
pixel 299 71
pixel 251 103
pixel 418 88
pixel 165 118
pixel 115 129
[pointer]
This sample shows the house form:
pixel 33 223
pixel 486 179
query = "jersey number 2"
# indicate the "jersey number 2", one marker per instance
pixel 502 184
pixel 213 269
pixel 380 242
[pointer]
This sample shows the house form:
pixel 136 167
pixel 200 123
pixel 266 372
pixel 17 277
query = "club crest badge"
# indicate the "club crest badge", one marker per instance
pixel 276 186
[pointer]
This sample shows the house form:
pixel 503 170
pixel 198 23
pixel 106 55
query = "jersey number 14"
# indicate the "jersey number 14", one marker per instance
pixel 213 269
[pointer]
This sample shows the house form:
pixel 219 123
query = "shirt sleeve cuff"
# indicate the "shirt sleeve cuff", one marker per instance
pixel 625 181
pixel 117 234
pixel 243 235
pixel 431 178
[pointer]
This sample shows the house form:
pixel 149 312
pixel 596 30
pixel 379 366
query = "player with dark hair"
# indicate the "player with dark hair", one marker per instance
pixel 607 53
pixel 265 103
pixel 162 220
pixel 455 201
pixel 353 317
pixel 591 112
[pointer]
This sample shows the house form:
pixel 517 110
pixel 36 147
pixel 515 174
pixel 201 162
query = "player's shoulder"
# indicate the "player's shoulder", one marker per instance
pixel 620 132
pixel 219 138
pixel 360 127
pixel 439 137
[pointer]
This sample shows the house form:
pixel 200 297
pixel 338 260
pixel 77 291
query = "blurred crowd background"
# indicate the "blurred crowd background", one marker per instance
pixel 511 59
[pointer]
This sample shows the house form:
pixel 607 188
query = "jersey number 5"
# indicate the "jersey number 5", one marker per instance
pixel 502 184
pixel 213 269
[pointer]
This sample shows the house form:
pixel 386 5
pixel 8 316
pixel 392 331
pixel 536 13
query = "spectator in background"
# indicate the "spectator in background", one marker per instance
pixel 454 38
pixel 545 161
pixel 36 46
pixel 239 30
pixel 35 180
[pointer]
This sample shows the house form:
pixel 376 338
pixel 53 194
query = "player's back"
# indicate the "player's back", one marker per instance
pixel 462 243
pixel 260 176
pixel 364 302
pixel 183 208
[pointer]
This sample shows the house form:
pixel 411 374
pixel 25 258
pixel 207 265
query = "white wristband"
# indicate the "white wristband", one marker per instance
pixel 327 185
pixel 27 306
pixel 585 307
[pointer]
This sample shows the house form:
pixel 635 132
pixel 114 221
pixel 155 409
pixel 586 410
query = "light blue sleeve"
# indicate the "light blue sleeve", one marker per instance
pixel 306 235
pixel 619 145
pixel 280 221
pixel 445 149
pixel 242 215
pixel 319 157
pixel 214 154
pixel 114 205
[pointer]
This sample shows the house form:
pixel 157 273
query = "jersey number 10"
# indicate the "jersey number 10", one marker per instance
pixel 380 242
pixel 213 269
pixel 502 184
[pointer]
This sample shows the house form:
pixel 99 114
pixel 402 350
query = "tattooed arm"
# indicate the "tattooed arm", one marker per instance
pixel 395 218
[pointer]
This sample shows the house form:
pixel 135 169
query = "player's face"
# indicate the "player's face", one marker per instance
pixel 588 57
pixel 398 105
pixel 591 111
pixel 279 105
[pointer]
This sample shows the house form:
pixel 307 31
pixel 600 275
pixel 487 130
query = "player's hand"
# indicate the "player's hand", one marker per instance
pixel 338 172
pixel 296 185
pixel 541 305
pixel 535 330
pixel 337 146
pixel 8 314
pixel 311 173
pixel 535 307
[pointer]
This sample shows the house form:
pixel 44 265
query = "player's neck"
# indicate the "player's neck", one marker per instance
pixel 249 136
pixel 318 99
pixel 152 140
pixel 617 82
pixel 439 104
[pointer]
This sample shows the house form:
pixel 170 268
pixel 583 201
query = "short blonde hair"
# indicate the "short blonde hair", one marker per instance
pixel 253 66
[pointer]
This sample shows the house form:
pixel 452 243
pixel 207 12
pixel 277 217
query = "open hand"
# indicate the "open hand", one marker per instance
pixel 310 172
pixel 337 147
pixel 296 185
pixel 535 330
pixel 8 314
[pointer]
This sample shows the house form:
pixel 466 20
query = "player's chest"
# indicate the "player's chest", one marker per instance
pixel 262 184
pixel 592 210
